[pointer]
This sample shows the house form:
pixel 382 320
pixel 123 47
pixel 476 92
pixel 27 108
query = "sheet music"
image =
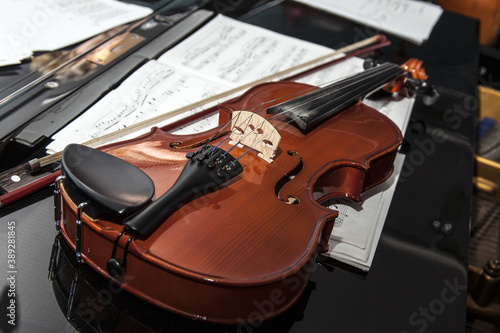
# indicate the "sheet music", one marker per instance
pixel 232 53
pixel 408 19
pixel 153 89
pixel 203 65
pixel 46 25
pixel 200 66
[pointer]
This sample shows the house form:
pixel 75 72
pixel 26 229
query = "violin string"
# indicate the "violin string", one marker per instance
pixel 326 92
pixel 216 135
pixel 289 96
pixel 244 137
pixel 227 136
pixel 256 111
pixel 290 120
pixel 249 148
pixel 364 77
pixel 370 75
pixel 287 123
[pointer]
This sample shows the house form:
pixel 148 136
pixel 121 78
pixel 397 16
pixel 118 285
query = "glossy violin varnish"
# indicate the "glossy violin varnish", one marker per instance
pixel 233 221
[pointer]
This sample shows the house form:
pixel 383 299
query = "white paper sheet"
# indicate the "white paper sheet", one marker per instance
pixel 46 25
pixel 177 78
pixel 408 19
pixel 232 53
pixel 153 89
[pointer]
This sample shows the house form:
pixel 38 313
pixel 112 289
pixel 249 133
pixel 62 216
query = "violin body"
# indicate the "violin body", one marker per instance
pixel 243 251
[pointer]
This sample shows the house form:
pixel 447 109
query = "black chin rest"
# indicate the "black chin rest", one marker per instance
pixel 108 180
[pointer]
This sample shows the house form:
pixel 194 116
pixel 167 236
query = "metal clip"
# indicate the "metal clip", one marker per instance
pixel 57 202
pixel 78 231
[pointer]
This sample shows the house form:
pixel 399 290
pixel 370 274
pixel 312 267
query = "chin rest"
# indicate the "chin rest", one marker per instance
pixel 108 180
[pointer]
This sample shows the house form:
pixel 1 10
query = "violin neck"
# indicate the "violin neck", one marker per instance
pixel 310 109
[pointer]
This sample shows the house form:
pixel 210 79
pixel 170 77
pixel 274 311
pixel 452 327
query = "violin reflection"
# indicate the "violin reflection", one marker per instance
pixel 48 61
pixel 92 303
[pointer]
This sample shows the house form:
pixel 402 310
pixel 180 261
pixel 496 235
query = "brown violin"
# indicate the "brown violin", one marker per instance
pixel 224 225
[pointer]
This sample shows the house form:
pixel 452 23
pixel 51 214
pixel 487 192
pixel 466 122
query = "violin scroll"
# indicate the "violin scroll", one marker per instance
pixel 414 67
pixel 414 81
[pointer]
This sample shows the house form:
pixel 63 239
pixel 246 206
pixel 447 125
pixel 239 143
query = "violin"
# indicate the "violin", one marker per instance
pixel 224 225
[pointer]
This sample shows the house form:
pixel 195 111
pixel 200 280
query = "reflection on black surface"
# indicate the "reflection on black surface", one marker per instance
pixel 98 305
pixel 77 69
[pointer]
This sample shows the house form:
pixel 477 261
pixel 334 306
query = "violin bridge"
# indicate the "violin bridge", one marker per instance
pixel 251 130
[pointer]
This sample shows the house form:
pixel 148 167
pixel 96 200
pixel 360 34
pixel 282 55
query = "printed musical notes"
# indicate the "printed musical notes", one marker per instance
pixel 153 89
pixel 223 55
pixel 233 53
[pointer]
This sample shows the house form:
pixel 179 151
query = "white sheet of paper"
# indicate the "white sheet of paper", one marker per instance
pixel 154 88
pixel 171 81
pixel 47 25
pixel 232 53
pixel 408 19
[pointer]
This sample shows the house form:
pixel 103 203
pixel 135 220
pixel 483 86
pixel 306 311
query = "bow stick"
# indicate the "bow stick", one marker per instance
pixel 16 184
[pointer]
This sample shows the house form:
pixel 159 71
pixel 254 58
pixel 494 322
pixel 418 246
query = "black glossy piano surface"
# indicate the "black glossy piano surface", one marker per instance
pixel 419 273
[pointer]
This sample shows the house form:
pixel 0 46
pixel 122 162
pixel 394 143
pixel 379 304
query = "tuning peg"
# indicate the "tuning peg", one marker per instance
pixel 369 62
pixel 430 95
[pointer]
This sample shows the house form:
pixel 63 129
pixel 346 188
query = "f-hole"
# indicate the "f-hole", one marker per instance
pixel 288 177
